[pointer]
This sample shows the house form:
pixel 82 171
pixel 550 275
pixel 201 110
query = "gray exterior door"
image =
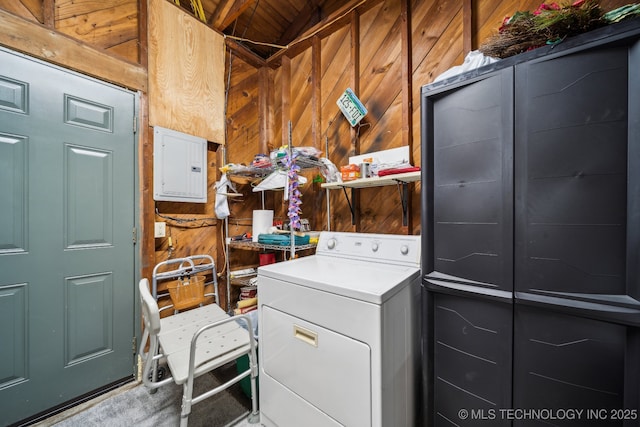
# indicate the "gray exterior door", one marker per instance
pixel 67 161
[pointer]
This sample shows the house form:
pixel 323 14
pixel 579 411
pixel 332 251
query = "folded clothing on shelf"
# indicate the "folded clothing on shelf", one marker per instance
pixel 282 239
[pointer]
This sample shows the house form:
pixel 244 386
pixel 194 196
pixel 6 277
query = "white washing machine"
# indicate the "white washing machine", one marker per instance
pixel 339 334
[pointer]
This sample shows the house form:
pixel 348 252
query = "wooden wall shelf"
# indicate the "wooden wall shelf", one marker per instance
pixel 399 178
pixel 256 246
pixel 378 181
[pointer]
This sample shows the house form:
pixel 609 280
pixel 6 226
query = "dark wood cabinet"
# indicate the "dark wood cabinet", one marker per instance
pixel 531 237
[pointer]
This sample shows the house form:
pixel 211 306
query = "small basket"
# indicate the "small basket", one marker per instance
pixel 187 292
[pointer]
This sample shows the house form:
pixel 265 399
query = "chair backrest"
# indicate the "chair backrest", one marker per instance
pixel 150 311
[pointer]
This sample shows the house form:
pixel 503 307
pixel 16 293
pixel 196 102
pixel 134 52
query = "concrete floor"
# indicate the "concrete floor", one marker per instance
pixel 103 410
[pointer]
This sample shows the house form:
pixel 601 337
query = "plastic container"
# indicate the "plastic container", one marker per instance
pixel 365 170
pixel 186 293
pixel 242 364
pixel 314 236
pixel 267 258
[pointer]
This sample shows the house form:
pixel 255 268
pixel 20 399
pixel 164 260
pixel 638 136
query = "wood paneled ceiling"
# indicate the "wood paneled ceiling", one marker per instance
pixel 267 25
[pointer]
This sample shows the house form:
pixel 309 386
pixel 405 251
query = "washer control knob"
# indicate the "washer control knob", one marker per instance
pixel 404 249
pixel 331 243
pixel 375 246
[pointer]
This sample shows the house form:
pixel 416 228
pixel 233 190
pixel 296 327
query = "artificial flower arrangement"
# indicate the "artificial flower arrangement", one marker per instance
pixel 550 23
pixel 295 196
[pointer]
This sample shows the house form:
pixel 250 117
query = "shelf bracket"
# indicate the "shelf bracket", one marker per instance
pixel 404 196
pixel 353 213
pixel 403 188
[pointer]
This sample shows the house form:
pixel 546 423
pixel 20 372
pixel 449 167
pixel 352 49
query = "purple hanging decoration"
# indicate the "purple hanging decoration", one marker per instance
pixel 295 196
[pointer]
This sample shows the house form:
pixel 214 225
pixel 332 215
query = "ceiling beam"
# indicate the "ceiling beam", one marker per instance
pixel 227 11
pixel 245 53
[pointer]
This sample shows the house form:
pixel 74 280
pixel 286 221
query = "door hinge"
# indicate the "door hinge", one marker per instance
pixel 135 124
pixel 137 365
pixel 135 236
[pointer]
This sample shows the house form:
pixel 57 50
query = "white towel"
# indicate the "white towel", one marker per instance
pixel 222 206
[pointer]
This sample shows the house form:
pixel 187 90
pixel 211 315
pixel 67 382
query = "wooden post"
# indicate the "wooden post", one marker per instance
pixel 316 120
pixel 49 13
pixel 467 26
pixel 407 100
pixel 355 86
pixel 286 98
pixel 265 110
pixel 316 92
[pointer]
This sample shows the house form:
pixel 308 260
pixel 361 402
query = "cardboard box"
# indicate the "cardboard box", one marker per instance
pixel 350 172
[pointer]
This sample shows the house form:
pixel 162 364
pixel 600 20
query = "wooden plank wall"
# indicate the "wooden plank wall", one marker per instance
pixel 186 82
pixel 111 25
pixel 368 49
pixel 243 129
pixel 25 34
pixel 435 35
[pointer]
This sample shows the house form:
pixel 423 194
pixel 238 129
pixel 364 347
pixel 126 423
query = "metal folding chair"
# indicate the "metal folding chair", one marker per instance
pixel 193 343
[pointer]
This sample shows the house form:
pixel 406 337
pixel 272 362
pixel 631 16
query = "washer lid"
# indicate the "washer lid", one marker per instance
pixel 363 280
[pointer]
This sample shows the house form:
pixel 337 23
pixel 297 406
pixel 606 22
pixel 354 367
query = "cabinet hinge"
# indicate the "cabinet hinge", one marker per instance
pixel 134 345
pixel 134 236
pixel 135 124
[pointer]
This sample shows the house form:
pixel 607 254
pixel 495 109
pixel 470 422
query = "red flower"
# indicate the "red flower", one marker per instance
pixel 505 22
pixel 543 7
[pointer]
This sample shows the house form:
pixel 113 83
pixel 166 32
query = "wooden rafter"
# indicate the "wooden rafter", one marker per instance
pixel 245 53
pixel 227 12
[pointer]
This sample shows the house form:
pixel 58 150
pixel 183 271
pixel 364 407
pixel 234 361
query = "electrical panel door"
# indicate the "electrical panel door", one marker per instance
pixel 179 167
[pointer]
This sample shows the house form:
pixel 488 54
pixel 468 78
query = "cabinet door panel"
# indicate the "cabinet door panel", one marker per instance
pixel 472 359
pixel 573 156
pixel 467 143
pixel 566 362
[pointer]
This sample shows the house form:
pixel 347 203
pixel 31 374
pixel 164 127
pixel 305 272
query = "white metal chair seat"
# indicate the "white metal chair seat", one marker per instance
pixel 194 342
pixel 176 331
pixel 215 348
pixel 192 317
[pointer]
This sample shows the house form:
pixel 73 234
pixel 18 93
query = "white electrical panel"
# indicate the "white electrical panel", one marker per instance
pixel 179 166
